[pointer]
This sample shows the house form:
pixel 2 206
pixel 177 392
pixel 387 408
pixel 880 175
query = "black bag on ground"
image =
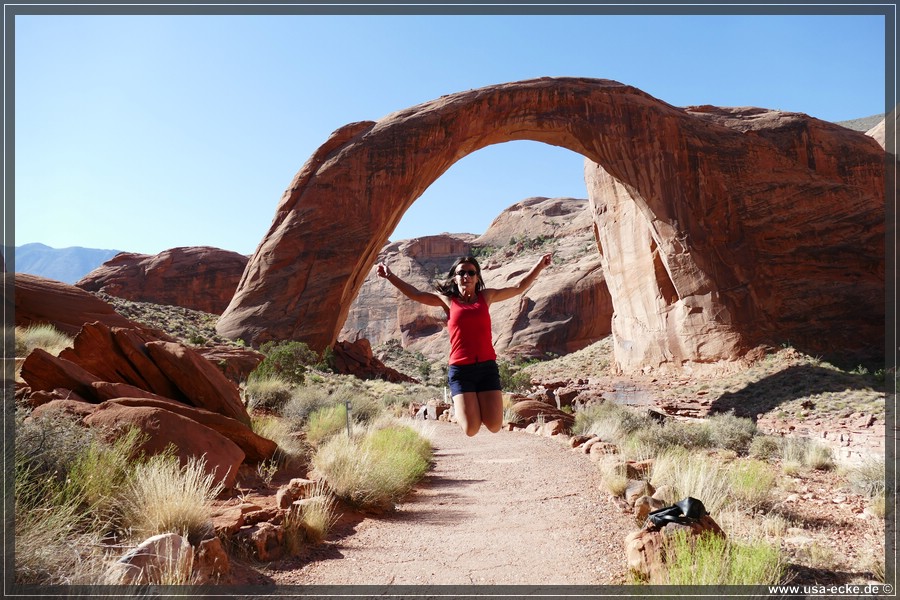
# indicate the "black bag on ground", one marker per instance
pixel 684 511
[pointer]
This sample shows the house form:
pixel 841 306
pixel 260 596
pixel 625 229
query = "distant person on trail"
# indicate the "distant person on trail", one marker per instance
pixel 473 375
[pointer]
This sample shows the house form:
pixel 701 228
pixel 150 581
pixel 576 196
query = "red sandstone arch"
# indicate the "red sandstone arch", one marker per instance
pixel 705 184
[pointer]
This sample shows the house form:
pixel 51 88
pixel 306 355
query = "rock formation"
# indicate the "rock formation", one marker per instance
pixel 566 309
pixel 196 277
pixel 777 238
pixel 118 374
pixel 39 300
pixel 772 224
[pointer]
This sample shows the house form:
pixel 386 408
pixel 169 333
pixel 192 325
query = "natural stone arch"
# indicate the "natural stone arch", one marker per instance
pixel 344 203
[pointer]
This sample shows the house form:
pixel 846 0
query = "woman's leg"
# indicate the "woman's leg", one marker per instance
pixel 491 405
pixel 468 412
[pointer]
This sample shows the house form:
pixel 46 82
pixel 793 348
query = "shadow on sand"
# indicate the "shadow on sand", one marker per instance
pixel 790 384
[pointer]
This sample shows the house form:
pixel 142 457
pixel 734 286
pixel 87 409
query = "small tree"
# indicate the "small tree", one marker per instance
pixel 287 360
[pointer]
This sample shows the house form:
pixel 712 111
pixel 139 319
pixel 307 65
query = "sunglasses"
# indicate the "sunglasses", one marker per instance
pixel 462 272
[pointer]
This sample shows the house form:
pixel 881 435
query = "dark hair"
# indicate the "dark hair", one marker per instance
pixel 448 286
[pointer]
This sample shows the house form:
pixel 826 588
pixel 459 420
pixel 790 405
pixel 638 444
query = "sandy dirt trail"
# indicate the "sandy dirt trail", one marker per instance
pixel 509 508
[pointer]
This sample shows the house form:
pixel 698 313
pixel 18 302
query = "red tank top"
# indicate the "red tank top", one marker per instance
pixel 470 332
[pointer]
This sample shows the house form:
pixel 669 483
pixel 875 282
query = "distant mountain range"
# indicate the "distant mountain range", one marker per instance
pixel 62 264
pixel 862 124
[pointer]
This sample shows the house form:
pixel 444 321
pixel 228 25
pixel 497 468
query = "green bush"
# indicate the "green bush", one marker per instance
pixel 512 379
pixel 287 360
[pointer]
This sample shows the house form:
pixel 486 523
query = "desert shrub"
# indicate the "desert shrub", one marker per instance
pixel 731 432
pixel 712 560
pixel 867 478
pixel 765 447
pixel 48 445
pixel 512 379
pixel 311 522
pixel 305 400
pixel 365 409
pixel 685 434
pixel 269 392
pixel 609 421
pixel 804 452
pixel 54 544
pixel 692 474
pixel 162 496
pixel 326 422
pixel 751 482
pixel 65 481
pixel 292 449
pixel 98 472
pixel 375 469
pixel 287 360
pixel 44 336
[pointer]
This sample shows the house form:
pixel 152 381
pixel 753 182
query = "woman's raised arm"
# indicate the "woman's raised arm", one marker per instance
pixel 501 294
pixel 411 291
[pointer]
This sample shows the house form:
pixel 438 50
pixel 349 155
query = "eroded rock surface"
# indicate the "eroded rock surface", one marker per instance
pixel 748 227
pixel 196 277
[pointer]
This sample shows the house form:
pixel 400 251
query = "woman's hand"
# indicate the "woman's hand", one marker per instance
pixel 383 270
pixel 545 261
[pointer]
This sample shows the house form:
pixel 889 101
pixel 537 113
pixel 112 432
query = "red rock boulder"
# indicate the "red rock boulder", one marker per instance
pixel 197 277
pixel 165 430
pixel 39 300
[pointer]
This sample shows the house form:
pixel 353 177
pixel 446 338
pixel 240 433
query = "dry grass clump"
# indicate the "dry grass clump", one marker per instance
pixel 867 478
pixel 326 422
pixel 743 485
pixel 44 336
pixel 641 437
pixel 270 392
pixel 292 447
pixel 311 522
pixel 376 468
pixel 610 422
pixel 162 496
pixel 797 453
pixel 67 481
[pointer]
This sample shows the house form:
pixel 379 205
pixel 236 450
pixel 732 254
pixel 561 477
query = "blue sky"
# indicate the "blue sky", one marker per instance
pixel 143 133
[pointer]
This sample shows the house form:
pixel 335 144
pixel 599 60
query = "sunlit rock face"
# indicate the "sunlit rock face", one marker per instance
pixel 763 226
pixel 749 227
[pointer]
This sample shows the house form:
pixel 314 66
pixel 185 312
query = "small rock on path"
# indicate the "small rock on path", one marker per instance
pixel 509 508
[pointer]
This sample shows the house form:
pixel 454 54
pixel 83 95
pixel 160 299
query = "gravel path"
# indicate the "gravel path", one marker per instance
pixel 497 509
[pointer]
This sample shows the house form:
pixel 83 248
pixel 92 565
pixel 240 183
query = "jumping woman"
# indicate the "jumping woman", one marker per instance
pixel 473 375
